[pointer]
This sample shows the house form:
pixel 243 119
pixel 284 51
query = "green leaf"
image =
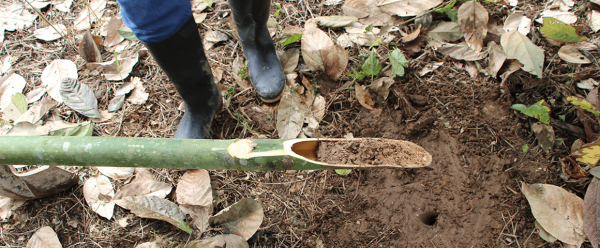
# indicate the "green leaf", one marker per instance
pixel 444 9
pixel 398 62
pixel 536 110
pixel 357 75
pixel 525 148
pixel 83 129
pixel 369 28
pixel 208 2
pixel 291 39
pixel 562 117
pixel 343 172
pixel 372 66
pixel 558 30
pixel 20 101
pixel 127 34
pixel 452 14
pixel 155 208
pixel 276 14
pixel 584 104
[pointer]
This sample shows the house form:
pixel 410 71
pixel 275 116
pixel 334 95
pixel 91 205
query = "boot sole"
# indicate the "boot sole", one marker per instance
pixel 271 100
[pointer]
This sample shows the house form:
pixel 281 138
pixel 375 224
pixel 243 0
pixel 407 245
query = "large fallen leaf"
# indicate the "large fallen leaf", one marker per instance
pixel 473 19
pixel 144 185
pixel 54 74
pixel 559 212
pixel 398 62
pixel 363 97
pixel 406 7
pixel 98 193
pixel 194 189
pixel 35 95
pixel 27 129
pixel 10 85
pixel 376 16
pixel 112 32
pixel 367 39
pixel 461 51
pixel 572 55
pixel 60 128
pixel 518 46
pixel 44 237
pixel 88 49
pixel 496 59
pixel 544 133
pixel 50 33
pixel 147 245
pixel 117 102
pixel 564 16
pixel 15 17
pixel 117 173
pixel 289 60
pixel 517 22
pixel 336 21
pixel 445 31
pixel 79 97
pixel 381 86
pixel 356 8
pixel 199 215
pixel 320 53
pixel 242 218
pixel 543 234
pixel 37 111
pixel 155 208
pixel 222 240
pixel 90 14
pixel 591 212
pixel 290 116
pixel 117 71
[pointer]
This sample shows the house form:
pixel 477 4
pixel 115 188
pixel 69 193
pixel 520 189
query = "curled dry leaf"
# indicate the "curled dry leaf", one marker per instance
pixel 545 135
pixel 382 87
pixel 320 53
pixel 473 19
pixel 194 189
pixel 517 22
pixel 8 204
pixel 572 55
pixel 363 97
pixel 336 21
pixel 155 208
pixel 112 32
pixel 9 85
pixel 98 192
pixel 35 95
pixel 199 18
pixel 376 16
pixel 139 94
pixel 412 36
pixel 45 237
pixel 290 116
pixel 242 218
pixel 591 212
pixel 518 46
pixel 88 49
pixel 54 74
pixel 496 59
pixel 223 240
pixel 559 212
pixel 144 185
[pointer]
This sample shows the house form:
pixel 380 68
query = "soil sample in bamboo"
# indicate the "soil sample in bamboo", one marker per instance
pixel 395 153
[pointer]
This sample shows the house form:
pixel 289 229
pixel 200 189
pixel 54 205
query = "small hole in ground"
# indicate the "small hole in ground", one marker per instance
pixel 428 218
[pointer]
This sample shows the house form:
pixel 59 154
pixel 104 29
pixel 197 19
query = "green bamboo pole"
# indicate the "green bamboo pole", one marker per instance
pixel 244 155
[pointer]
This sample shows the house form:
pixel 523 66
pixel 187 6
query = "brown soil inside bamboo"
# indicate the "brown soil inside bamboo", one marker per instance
pixel 372 152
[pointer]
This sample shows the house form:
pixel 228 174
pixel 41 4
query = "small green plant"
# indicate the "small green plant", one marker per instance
pixel 343 172
pixel 230 92
pixel 536 110
pixel 584 104
pixel 372 66
pixel 369 28
pixel 444 9
pixel 276 14
pixel 291 39
pixel 525 148
pixel 398 62
pixel 243 72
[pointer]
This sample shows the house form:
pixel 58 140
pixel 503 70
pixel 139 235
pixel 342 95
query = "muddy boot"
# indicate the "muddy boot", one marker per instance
pixel 266 73
pixel 182 57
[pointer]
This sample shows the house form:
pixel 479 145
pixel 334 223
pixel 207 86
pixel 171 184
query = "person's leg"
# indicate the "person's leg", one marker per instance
pixel 168 30
pixel 266 73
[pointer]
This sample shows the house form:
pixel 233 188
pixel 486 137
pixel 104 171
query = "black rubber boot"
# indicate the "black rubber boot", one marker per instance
pixel 266 73
pixel 182 57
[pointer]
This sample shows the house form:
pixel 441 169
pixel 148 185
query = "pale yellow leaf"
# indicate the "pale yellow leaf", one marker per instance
pixel 44 237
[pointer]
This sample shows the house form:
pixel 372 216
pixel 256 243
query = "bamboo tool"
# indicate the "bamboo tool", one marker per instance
pixel 242 154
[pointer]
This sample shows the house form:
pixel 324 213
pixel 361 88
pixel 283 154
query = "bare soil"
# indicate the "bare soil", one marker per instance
pixel 372 152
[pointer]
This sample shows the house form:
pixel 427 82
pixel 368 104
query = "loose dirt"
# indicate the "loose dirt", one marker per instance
pixel 372 152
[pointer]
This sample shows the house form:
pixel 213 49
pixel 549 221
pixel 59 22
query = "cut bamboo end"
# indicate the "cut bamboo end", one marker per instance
pixel 359 152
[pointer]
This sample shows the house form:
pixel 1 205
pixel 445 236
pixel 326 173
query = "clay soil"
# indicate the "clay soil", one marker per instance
pixel 468 197
pixel 369 151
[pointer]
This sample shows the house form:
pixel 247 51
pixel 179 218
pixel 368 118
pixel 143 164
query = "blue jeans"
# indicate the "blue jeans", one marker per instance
pixel 155 20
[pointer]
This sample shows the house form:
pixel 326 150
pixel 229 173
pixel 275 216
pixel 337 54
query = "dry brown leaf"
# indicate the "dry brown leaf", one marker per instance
pixel 572 55
pixel 559 212
pixel 155 208
pixel 139 94
pixel 35 95
pixel 44 237
pixel 199 215
pixel 355 8
pixel 320 53
pixel 518 22
pixel 381 86
pixel 471 68
pixel 222 240
pixel 429 68
pixel 591 212
pixel 461 51
pixel 112 32
pixel 412 36
pixel 473 19
pixel 289 60
pixel 87 16
pixel 335 21
pixel 117 173
pixel 445 31
pixel 144 185
pixel 496 59
pixel 10 85
pixel 376 16
pixel 112 72
pixel 545 135
pixel 290 116
pixel 242 218
pixel 199 18
pixel 407 7
pixel 194 189
pixel 8 204
pixel 147 245
pixel 363 97
pixel 98 192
